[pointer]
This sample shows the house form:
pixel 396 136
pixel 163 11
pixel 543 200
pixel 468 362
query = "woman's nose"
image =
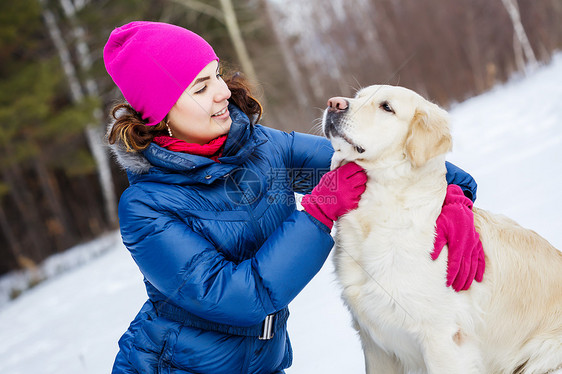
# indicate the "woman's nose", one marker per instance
pixel 337 104
pixel 223 94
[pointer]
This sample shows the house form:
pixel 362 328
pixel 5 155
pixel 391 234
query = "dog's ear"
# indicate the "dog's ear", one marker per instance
pixel 429 134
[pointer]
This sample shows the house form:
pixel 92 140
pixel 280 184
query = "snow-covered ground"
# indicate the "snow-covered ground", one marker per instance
pixel 509 139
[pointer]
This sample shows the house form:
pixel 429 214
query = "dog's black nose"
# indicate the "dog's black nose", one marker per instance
pixel 337 104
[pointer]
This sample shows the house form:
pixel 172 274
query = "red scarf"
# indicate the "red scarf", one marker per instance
pixel 212 150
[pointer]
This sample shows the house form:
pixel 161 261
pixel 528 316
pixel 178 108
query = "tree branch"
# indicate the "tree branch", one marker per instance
pixel 203 8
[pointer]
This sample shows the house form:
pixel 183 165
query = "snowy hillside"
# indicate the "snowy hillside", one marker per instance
pixel 509 139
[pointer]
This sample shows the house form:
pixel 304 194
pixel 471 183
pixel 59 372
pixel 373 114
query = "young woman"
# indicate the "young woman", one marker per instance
pixel 210 216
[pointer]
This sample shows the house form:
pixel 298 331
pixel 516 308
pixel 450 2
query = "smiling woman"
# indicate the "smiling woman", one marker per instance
pixel 210 216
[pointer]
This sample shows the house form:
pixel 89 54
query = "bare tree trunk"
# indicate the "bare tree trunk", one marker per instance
pixel 58 226
pixel 314 55
pixel 202 8
pixel 27 208
pixel 473 51
pixel 295 76
pixel 64 54
pixel 236 36
pixel 13 245
pixel 94 134
pixel 520 40
pixel 227 16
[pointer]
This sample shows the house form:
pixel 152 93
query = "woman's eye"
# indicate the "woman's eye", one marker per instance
pixel 219 76
pixel 386 107
pixel 201 90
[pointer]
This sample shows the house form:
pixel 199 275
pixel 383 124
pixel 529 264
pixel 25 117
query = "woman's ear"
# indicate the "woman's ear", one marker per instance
pixel 429 135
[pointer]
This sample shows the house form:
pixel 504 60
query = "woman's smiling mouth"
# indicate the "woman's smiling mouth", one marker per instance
pixel 217 114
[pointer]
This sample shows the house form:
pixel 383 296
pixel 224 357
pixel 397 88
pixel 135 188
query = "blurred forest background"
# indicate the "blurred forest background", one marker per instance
pixel 58 185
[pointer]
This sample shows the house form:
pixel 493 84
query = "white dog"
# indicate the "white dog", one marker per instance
pixel 407 319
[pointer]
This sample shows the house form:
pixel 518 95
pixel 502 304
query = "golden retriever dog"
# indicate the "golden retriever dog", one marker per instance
pixel 407 319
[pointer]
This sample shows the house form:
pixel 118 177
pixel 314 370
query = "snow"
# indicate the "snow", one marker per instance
pixel 71 323
pixel 60 263
pixel 509 139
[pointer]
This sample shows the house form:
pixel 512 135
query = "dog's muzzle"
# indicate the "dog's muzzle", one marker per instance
pixel 333 119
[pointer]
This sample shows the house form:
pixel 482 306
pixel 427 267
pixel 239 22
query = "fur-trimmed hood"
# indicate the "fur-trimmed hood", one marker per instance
pixel 129 161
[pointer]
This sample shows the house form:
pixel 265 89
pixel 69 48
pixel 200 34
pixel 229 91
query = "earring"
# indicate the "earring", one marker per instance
pixel 169 129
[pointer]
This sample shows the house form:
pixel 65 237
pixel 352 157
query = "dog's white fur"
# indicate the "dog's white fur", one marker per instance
pixel 407 319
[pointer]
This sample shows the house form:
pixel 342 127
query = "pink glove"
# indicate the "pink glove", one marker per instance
pixel 337 193
pixel 455 227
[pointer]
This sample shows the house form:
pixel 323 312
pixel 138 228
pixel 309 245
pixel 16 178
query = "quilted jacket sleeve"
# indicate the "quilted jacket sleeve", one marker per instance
pixel 458 176
pixel 194 275
pixel 309 159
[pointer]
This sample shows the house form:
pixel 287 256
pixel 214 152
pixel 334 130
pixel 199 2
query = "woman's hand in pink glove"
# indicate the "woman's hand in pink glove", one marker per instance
pixel 337 193
pixel 455 227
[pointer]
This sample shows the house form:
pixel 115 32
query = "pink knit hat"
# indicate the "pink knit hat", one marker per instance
pixel 152 63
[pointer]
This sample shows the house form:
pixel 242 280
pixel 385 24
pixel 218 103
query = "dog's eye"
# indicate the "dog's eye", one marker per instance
pixel 386 107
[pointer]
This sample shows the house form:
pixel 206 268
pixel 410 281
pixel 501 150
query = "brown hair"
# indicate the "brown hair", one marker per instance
pixel 131 129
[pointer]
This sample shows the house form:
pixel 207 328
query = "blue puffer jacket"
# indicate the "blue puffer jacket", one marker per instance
pixel 222 246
